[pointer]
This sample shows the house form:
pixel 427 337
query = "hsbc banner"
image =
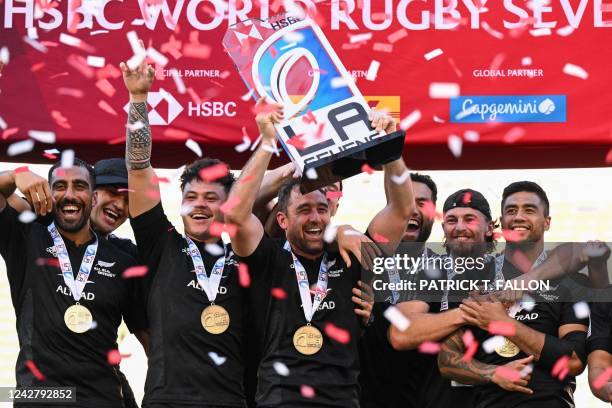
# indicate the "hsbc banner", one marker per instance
pixel 475 83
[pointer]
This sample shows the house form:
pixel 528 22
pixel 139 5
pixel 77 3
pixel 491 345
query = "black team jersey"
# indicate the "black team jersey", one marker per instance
pixel 600 331
pixel 40 298
pixel 276 313
pixel 187 365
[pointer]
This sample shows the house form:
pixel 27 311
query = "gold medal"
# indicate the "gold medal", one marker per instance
pixel 308 340
pixel 508 349
pixel 215 319
pixel 78 318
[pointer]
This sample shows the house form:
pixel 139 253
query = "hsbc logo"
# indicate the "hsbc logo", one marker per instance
pixel 166 113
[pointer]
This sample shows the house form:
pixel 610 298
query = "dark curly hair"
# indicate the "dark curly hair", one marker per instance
pixel 76 163
pixel 192 171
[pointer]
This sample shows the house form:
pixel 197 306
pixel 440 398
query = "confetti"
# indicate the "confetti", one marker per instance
pixel 281 369
pixel 491 344
pixel 540 32
pixel 401 179
pixel 105 87
pixel 297 142
pixel 365 168
pixel 178 81
pixel 229 204
pixel 561 368
pixel 575 70
pixel 397 35
pixel 21 147
pixel 247 96
pixel 213 249
pixel 60 120
pixel 443 90
pixel 42 136
pixel 157 57
pixel 54 262
pixel 603 378
pixel 455 145
pixel 507 329
pixel 135 272
pixel 373 70
pixel 75 93
pixel 455 68
pixel 438 119
pixel 113 357
pixel 307 391
pixel 244 146
pixel 329 235
pixel 217 359
pixel 514 134
pixel 217 228
pixel 106 107
pixel 410 120
pixel 34 370
pixel 383 47
pixel 581 310
pixel 3 124
pixel 278 293
pixel 340 82
pixel 35 44
pixel 27 217
pixel 429 347
pixel 526 61
pixel 471 136
pixel 21 169
pixel 433 54
pixel 565 31
pixel 244 279
pixel 67 159
pixel 214 172
pixel 491 31
pixel 338 334
pixel 4 55
pixel 467 198
pixel 397 318
pixel 311 173
pixel 470 351
pixel 194 147
pixel 333 195
pixel 380 238
pixel 358 38
pixel 468 337
pixel 96 62
pixel 508 373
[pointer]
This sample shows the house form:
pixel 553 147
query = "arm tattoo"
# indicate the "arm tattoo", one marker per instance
pixel 452 366
pixel 138 142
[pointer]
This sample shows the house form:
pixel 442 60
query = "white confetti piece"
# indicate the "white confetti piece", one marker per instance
pixel 217 359
pixel 471 136
pixel 194 147
pixel 397 35
pixel 27 217
pixel 247 96
pixel 157 57
pixel 455 144
pixel 526 61
pixel 433 54
pixel 4 55
pixel 397 318
pixel 21 147
pixel 178 81
pixel 565 31
pixel 98 32
pixel 243 147
pixel 214 249
pixel 42 136
pixel 33 33
pixel 581 310
pixel 281 369
pixel 373 70
pixel 135 60
pixel 186 210
pixel 293 37
pixel 69 40
pixel 3 124
pixel 134 42
pixel 357 38
pixel 528 369
pixel 67 159
pixel 330 233
pixel 491 31
pixel 34 44
pixel 401 178
pixel 467 112
pixel 443 90
pixel 52 151
pixel 540 32
pixel 438 119
pixel 491 344
pixel 410 120
pixel 255 143
pixel 311 174
pixel 132 127
pixel 340 82
pixel 575 70
pixel 528 303
pixel 96 62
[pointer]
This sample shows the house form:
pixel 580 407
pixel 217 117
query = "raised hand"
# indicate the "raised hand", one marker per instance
pixel 269 114
pixel 382 121
pixel 138 81
pixel 36 190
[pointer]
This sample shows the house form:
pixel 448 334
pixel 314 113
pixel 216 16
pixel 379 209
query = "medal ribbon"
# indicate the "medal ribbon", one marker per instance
pixel 76 286
pixel 309 306
pixel 210 285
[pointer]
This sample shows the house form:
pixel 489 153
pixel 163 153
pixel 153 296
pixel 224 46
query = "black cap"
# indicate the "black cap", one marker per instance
pixel 468 198
pixel 111 172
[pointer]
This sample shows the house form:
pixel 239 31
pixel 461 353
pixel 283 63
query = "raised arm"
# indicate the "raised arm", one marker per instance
pixel 392 220
pixel 34 187
pixel 244 191
pixel 144 188
pixel 270 185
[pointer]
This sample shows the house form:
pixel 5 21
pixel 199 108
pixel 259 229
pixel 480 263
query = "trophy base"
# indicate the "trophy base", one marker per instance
pixel 338 167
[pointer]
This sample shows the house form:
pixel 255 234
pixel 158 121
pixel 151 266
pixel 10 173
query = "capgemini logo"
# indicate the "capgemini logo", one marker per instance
pixel 547 106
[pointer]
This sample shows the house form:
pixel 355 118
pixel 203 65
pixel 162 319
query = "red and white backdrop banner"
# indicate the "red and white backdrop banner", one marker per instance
pixel 61 86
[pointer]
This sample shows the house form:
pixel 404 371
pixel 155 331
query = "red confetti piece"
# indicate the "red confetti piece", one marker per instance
pixel 603 378
pixel 116 140
pixel 113 357
pixel 47 262
pixel 561 368
pixel 160 179
pixel 297 142
pixel 367 169
pixel 129 190
pixel 319 133
pixel 309 117
pixel 135 272
pixel 200 51
pixel 471 350
pixel 75 93
pixel 216 228
pixel 380 238
pixel 333 195
pixel 263 108
pixel 176 134
pixel 609 157
pixel 214 172
pixel 106 107
pixel 21 169
pixel 278 293
pixel 507 329
pixel 50 156
pixel 109 71
pixel 106 88
pixel 429 347
pixel 34 370
pixel 307 391
pixel 60 120
pixel 9 132
pixel 244 279
pixel 273 52
pixel 467 198
pixel 337 333
pixel 509 373
pixel 37 67
pixel 229 205
pixel 468 337
pixel 61 74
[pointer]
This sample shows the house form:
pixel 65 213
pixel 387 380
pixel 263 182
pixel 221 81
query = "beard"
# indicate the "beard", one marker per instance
pixel 71 226
pixel 425 232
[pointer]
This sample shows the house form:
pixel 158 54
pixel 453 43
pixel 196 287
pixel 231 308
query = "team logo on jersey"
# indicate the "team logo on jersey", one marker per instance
pixel 106 264
pixel 103 268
